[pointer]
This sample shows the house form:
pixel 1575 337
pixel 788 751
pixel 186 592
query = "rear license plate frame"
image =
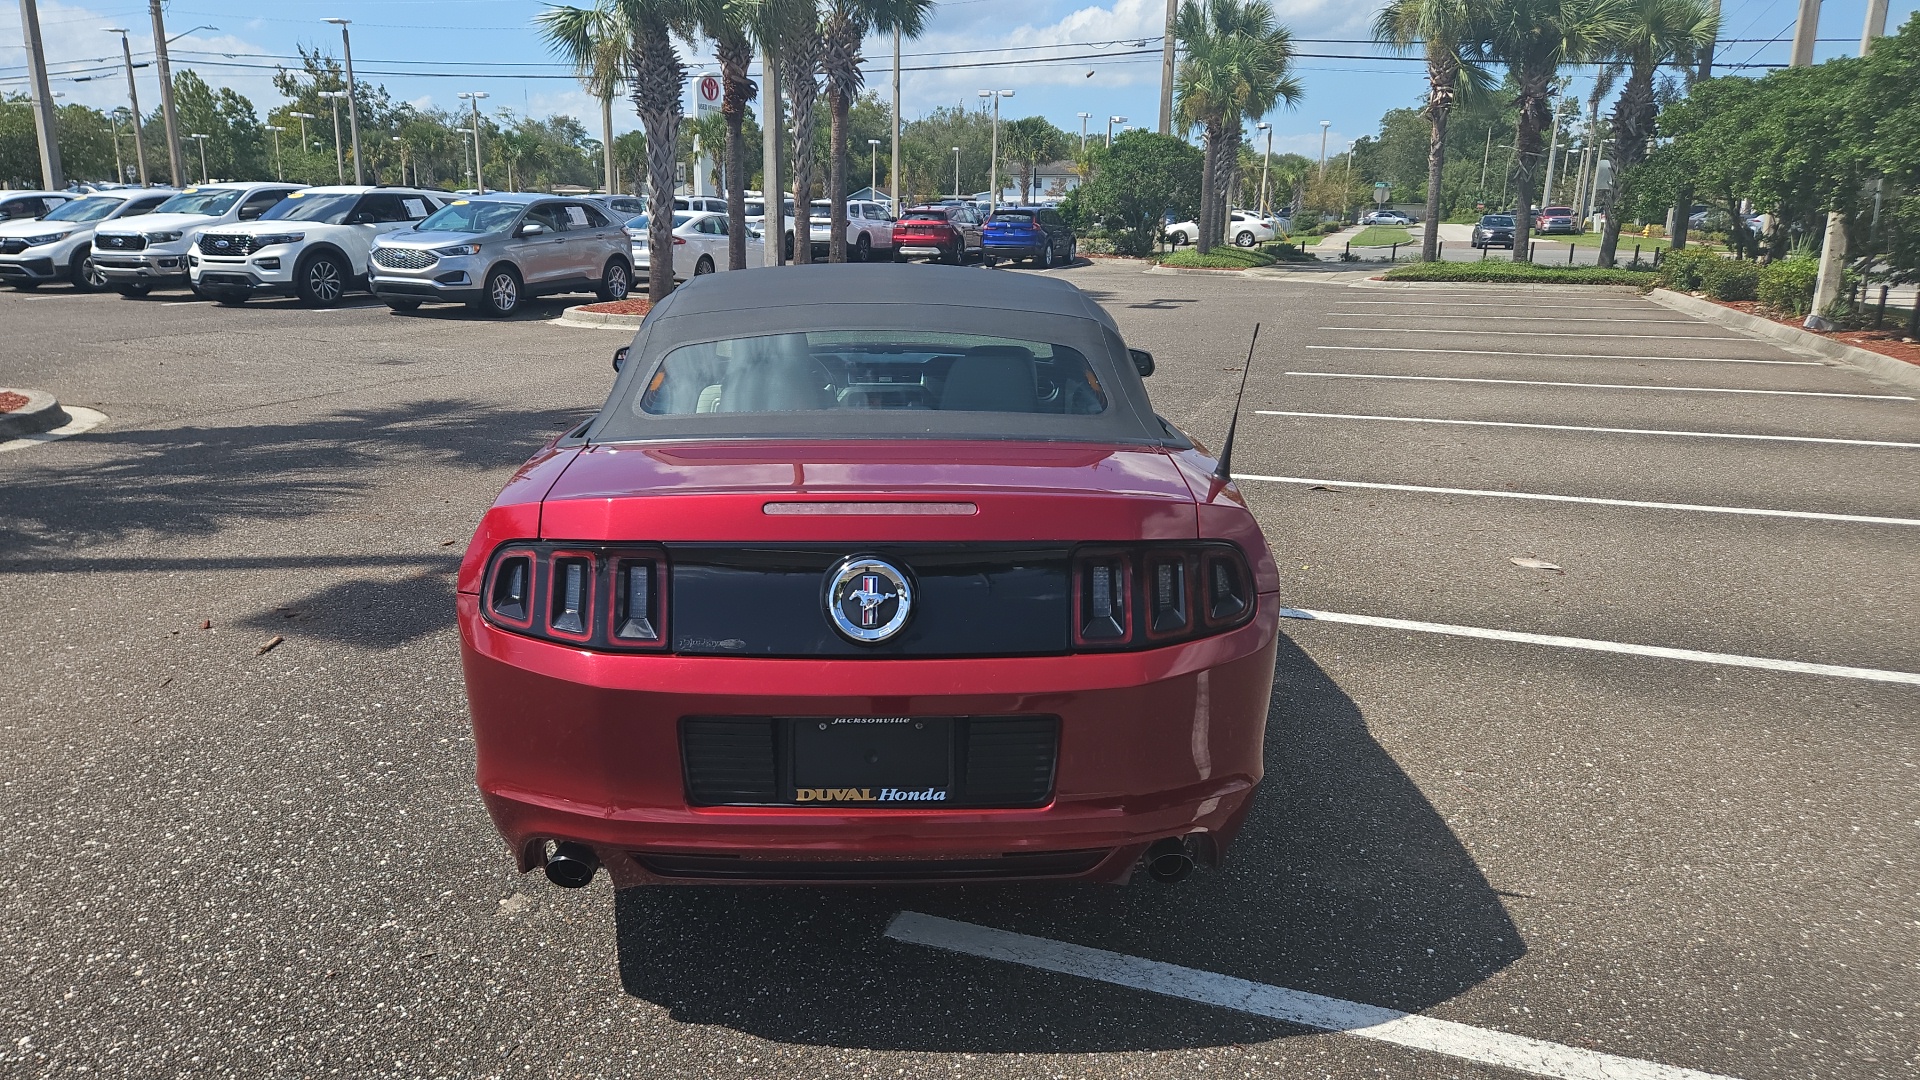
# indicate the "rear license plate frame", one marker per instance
pixel 872 761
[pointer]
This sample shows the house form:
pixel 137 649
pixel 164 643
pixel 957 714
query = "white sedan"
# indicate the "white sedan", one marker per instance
pixel 1248 229
pixel 699 244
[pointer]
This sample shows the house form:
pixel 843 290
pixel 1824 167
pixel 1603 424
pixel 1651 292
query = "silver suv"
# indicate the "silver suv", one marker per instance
pixel 494 251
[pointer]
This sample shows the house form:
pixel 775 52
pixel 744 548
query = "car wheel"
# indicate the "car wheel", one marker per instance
pixel 501 296
pixel 1046 256
pixel 987 261
pixel 85 276
pixel 321 281
pixel 956 257
pixel 404 305
pixel 1244 239
pixel 789 246
pixel 615 280
pixel 863 249
pixel 704 266
pixel 133 288
pixel 1176 239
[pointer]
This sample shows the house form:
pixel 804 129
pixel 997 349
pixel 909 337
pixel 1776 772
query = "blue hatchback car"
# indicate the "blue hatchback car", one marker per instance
pixel 1033 234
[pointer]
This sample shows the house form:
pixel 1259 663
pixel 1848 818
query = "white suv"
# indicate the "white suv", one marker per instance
pixel 314 245
pixel 60 245
pixel 869 231
pixel 136 256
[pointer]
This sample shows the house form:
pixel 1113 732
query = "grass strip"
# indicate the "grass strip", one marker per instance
pixel 1519 273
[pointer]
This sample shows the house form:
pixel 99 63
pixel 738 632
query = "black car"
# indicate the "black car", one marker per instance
pixel 1023 233
pixel 1494 230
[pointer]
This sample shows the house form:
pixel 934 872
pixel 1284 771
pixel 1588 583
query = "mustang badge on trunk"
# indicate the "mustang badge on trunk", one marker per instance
pixel 868 599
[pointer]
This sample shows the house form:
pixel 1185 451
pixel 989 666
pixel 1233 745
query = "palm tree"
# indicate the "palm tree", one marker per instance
pixel 844 24
pixel 799 67
pixel 1533 38
pixel 1443 29
pixel 1651 34
pixel 1235 68
pixel 728 23
pixel 656 80
pixel 598 65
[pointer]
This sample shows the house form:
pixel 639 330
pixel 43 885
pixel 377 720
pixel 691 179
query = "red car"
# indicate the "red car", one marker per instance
pixel 908 587
pixel 949 234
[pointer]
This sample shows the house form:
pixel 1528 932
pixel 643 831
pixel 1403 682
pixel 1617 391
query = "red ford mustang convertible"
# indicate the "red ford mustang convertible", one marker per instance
pixel 870 574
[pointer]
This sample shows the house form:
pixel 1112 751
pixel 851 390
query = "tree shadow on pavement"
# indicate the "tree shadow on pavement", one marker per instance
pixel 190 481
pixel 1345 882
pixel 367 612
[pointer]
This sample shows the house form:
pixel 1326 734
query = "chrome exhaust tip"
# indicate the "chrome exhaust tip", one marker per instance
pixel 572 866
pixel 1169 860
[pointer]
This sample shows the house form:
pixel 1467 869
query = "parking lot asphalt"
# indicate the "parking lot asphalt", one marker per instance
pixel 231 863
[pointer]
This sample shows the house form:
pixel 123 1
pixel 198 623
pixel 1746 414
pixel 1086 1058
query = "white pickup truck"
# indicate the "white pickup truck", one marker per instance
pixel 869 231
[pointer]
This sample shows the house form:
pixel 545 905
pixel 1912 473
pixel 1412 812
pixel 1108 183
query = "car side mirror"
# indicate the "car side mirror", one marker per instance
pixel 1142 361
pixel 251 213
pixel 530 229
pixel 620 357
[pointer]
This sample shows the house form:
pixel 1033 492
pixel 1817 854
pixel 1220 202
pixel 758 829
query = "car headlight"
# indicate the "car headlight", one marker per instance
pixel 278 238
pixel 47 238
pixel 458 249
pixel 162 237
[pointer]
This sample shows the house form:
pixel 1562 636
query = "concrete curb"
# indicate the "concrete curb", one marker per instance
pixel 1547 288
pixel 83 420
pixel 40 413
pixel 1885 368
pixel 597 320
pixel 1202 271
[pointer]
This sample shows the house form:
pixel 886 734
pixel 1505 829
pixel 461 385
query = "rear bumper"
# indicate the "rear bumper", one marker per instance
pixel 994 250
pixel 582 747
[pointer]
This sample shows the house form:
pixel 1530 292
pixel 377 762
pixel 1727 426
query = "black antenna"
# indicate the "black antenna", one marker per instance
pixel 1224 471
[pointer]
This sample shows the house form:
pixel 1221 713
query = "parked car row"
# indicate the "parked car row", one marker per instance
pixel 232 241
pixel 1246 229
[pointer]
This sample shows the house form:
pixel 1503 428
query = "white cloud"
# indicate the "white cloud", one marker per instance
pixel 73 40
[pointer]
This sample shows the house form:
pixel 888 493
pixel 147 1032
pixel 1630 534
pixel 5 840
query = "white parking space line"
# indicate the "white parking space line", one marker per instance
pixel 1482 1045
pixel 1527 333
pixel 1606 430
pixel 1598 386
pixel 1515 302
pixel 1500 318
pixel 1909 678
pixel 1588 500
pixel 1563 356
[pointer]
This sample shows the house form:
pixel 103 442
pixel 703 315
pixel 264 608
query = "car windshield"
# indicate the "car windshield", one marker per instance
pixel 211 202
pixel 84 210
pixel 325 208
pixel 1497 222
pixel 867 370
pixel 473 216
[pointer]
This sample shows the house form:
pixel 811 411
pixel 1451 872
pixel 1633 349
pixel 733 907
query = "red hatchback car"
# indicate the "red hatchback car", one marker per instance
pixel 908 587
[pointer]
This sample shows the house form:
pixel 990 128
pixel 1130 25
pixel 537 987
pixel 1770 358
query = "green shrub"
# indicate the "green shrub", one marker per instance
pixel 1285 252
pixel 1096 245
pixel 1686 270
pixel 1220 258
pixel 1518 273
pixel 1786 285
pixel 1730 279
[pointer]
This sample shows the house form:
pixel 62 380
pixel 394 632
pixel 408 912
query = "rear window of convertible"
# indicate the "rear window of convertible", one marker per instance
pixel 873 370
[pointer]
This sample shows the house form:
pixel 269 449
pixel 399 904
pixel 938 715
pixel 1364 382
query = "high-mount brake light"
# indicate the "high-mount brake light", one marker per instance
pixel 596 596
pixel 1147 595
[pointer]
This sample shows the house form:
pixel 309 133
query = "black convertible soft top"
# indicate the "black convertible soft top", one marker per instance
pixel 908 299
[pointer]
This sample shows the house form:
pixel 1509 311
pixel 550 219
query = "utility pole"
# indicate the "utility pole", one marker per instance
pixel 893 175
pixel 133 96
pixel 1166 73
pixel 1266 159
pixel 773 197
pixel 606 147
pixel 479 176
pixel 43 119
pixel 1486 155
pixel 1553 151
pixel 1325 124
pixel 1876 24
pixel 1805 28
pixel 339 153
pixel 993 164
pixel 166 92
pixel 353 111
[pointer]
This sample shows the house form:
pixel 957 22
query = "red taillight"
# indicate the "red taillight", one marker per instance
pixel 1141 596
pixel 596 596
pixel 678 240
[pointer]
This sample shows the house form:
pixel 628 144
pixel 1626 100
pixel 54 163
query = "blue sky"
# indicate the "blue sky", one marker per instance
pixel 1076 57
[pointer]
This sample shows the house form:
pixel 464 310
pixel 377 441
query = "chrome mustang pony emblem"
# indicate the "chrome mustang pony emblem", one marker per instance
pixel 868 600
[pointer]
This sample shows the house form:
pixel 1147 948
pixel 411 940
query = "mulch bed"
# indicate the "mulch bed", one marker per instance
pixel 1886 342
pixel 630 306
pixel 10 401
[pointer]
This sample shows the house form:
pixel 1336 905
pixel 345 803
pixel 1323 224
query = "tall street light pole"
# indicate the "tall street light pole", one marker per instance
pixel 353 112
pixel 402 144
pixel 1324 125
pixel 339 154
pixel 993 163
pixel 1112 120
pixel 206 175
pixel 303 117
pixel 1804 29
pixel 1084 117
pixel 43 120
pixel 956 172
pixel 133 96
pixel 166 91
pixel 479 175
pixel 278 172
pixel 1265 160
pixel 873 169
pixel 893 170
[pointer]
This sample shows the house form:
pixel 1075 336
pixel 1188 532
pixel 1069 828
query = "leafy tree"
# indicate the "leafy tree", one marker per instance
pixel 1028 143
pixel 844 24
pixel 1237 65
pixel 1140 177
